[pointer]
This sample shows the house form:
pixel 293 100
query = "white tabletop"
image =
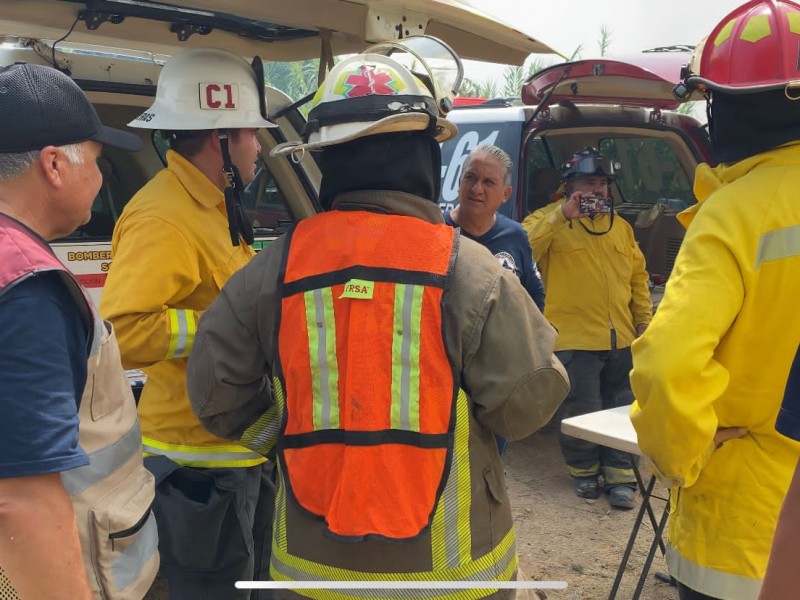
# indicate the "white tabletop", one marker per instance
pixel 611 428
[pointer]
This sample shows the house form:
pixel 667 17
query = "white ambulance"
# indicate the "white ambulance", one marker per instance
pixel 114 50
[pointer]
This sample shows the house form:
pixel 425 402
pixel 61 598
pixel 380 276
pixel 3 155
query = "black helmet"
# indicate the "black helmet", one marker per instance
pixel 587 163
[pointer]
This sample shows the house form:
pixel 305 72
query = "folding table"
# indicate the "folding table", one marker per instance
pixel 613 428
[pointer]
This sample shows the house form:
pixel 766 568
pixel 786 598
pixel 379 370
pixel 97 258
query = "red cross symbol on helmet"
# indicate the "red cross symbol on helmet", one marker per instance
pixel 369 82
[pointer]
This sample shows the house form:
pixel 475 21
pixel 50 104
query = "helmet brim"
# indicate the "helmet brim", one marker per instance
pixel 347 132
pixel 695 82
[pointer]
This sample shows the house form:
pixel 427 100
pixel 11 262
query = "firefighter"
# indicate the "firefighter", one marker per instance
pixel 714 363
pixel 377 351
pixel 598 300
pixel 172 253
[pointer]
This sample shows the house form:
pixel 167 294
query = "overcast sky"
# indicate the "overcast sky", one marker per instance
pixel 635 25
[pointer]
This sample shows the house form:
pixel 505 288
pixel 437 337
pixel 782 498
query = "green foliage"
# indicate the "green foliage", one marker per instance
pixel 513 78
pixel 605 40
pixel 535 65
pixel 296 79
pixel 473 89
pixel 650 169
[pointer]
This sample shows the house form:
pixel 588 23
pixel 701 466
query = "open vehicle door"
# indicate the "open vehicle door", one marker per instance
pixel 622 106
pixel 625 108
pixel 278 31
pixel 114 49
pixel 645 80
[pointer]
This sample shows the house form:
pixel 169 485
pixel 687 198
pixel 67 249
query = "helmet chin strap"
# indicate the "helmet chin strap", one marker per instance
pixel 237 224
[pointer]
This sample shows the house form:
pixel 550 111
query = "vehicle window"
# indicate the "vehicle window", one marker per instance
pixel 296 79
pixel 105 208
pixel 123 174
pixel 542 180
pixel 265 204
pixel 651 172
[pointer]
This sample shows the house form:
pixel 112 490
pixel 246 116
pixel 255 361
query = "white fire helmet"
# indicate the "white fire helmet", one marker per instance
pixel 377 92
pixel 207 88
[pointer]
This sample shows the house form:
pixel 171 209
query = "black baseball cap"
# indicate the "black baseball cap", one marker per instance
pixel 41 106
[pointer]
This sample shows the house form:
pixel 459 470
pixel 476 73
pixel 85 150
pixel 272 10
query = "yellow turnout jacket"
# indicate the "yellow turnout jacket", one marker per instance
pixel 718 354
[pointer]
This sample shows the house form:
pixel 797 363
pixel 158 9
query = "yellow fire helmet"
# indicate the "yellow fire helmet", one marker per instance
pixel 375 92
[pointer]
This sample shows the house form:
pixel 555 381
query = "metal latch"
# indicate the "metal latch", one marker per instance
pixel 186 30
pixel 656 116
pixel 95 18
pixel 386 24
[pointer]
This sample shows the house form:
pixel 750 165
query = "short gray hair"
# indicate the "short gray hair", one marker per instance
pixel 497 153
pixel 16 163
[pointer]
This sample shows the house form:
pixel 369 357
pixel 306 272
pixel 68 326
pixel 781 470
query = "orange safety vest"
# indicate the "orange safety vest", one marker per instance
pixel 368 422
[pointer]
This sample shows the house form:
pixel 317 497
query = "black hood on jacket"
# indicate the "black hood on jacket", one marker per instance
pixel 742 125
pixel 402 162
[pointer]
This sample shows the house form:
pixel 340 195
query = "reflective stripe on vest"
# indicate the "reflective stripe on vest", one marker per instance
pixel 125 567
pixel 450 537
pixel 322 355
pixel 182 327
pixel 229 455
pixel 405 357
pixel 102 462
pixel 370 391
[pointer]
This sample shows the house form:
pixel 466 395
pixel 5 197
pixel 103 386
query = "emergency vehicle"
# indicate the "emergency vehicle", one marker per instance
pixel 114 49
pixel 622 106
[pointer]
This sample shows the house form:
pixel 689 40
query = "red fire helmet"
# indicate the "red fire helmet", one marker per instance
pixel 754 48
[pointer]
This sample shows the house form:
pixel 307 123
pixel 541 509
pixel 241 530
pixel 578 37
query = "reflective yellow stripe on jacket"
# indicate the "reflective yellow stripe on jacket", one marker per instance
pixel 229 455
pixel 450 536
pixel 182 327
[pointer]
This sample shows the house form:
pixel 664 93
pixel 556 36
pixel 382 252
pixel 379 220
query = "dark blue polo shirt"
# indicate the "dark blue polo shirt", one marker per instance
pixel 508 241
pixel 43 354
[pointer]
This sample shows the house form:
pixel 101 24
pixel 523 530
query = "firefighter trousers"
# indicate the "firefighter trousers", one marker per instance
pixel 214 527
pixel 598 380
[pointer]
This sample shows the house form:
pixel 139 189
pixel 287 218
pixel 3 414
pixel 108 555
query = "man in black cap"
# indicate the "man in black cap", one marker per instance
pixel 73 490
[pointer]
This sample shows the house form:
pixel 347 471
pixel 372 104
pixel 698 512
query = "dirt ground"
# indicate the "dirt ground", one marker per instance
pixel 561 537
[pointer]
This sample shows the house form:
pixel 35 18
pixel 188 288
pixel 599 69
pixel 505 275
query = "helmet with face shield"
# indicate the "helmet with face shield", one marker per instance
pixel 406 85
pixel 589 162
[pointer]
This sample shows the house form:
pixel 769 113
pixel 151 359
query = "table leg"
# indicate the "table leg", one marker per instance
pixel 634 533
pixel 651 554
pixel 646 500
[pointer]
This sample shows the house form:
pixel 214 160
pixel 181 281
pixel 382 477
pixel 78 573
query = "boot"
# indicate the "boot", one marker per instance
pixel 587 487
pixel 621 496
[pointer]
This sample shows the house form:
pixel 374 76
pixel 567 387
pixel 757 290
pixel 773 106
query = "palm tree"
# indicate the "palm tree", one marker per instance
pixel 513 79
pixel 605 40
pixel 473 89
